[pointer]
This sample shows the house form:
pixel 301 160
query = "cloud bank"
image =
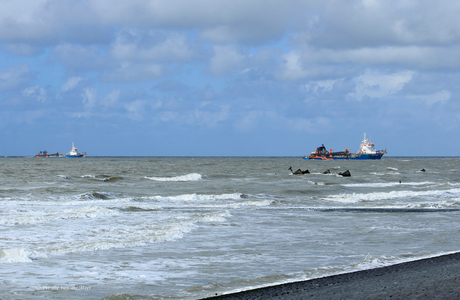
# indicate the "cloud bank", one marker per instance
pixel 219 77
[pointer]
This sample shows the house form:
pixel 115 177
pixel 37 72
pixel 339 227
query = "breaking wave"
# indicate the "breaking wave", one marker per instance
pixel 51 216
pixel 18 255
pixel 355 197
pixel 126 237
pixel 102 177
pixel 387 184
pixel 198 197
pixel 188 177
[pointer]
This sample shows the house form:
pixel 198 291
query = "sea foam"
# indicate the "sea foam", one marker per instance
pixel 188 177
pixel 197 197
pixel 358 197
pixel 18 255
pixel 31 217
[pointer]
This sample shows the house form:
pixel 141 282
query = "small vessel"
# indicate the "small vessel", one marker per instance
pixel 45 154
pixel 74 153
pixel 366 151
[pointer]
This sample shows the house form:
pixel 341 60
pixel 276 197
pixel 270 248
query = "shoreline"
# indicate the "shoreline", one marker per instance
pixel 431 278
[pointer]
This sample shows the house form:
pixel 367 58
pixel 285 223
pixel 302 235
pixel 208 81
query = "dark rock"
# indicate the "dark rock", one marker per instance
pixel 345 174
pixel 299 171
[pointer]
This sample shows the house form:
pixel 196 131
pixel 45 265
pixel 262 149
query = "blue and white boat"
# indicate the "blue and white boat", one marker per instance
pixel 366 151
pixel 74 153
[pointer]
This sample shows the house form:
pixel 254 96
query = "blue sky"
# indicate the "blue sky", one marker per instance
pixel 215 77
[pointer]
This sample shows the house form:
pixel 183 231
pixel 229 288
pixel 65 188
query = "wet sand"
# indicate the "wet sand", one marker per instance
pixel 432 278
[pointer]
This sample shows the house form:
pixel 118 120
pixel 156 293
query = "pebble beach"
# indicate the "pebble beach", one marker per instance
pixel 432 278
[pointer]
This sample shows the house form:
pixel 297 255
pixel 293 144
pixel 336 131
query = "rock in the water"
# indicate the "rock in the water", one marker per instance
pixel 299 171
pixel 345 174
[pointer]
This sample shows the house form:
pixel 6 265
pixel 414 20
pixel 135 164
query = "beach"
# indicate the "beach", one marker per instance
pixel 432 278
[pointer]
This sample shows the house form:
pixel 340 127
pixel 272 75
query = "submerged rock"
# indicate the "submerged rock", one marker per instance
pixel 299 171
pixel 345 174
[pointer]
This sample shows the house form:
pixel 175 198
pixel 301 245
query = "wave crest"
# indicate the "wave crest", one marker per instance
pixel 188 177
pixel 17 255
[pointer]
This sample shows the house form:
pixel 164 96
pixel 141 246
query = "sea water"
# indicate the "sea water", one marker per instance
pixel 193 227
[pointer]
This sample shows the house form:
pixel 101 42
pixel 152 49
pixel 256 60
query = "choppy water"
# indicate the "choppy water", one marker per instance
pixel 187 228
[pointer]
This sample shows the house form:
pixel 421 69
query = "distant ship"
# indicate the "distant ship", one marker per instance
pixel 44 154
pixel 74 153
pixel 366 151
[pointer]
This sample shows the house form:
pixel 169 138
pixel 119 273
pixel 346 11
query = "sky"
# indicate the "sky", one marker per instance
pixel 229 78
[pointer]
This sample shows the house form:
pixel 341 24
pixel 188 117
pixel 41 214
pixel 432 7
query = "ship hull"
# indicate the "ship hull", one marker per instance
pixel 351 157
pixel 74 156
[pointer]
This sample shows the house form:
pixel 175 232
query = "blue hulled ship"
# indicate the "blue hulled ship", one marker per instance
pixel 366 151
pixel 74 153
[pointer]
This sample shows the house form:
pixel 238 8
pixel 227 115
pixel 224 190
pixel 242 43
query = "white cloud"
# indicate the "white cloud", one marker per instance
pixel 174 48
pixel 31 116
pixel 22 49
pixel 135 109
pixel 226 59
pixel 375 85
pixel 13 77
pixel 441 96
pixel 355 24
pixel 94 20
pixel 89 98
pixel 71 83
pixel 213 118
pixel 80 56
pixel 325 85
pixel 37 92
pixel 133 72
pixel 292 66
pixel 314 126
pixel 111 99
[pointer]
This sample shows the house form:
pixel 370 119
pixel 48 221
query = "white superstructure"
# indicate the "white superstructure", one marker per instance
pixel 74 150
pixel 366 147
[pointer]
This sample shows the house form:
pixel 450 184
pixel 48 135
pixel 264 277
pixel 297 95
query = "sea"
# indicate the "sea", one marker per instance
pixel 193 227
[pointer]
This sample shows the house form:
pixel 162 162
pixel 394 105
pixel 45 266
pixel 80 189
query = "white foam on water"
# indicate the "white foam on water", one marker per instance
pixel 188 177
pixel 385 173
pixel 31 217
pixel 217 217
pixel 133 236
pixel 256 203
pixel 387 184
pixel 197 197
pixel 146 207
pixel 377 262
pixel 234 205
pixel 89 199
pixel 18 255
pixel 436 205
pixel 359 197
pixel 245 204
